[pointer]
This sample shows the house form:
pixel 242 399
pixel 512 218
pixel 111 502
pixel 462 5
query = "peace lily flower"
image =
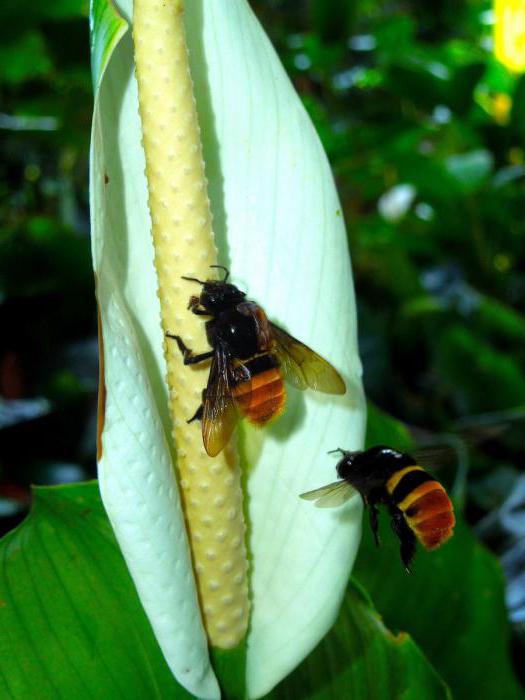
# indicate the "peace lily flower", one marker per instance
pixel 277 223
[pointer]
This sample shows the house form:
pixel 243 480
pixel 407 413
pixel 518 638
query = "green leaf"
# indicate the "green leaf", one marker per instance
pixel 360 658
pixel 382 429
pixel 452 605
pixel 72 624
pixel 107 29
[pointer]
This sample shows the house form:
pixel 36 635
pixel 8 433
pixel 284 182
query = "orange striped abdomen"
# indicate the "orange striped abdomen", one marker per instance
pixel 425 505
pixel 263 396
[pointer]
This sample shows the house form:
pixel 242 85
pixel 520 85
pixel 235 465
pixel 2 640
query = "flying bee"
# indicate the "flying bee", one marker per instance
pixel 418 504
pixel 250 357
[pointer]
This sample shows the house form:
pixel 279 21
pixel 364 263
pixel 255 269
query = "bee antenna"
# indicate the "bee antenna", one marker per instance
pixel 332 452
pixel 221 267
pixel 193 279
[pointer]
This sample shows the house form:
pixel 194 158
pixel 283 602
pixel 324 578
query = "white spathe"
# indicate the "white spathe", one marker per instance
pixel 279 228
pixel 136 476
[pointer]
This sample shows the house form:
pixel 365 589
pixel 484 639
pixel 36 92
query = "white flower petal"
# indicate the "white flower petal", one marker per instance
pixel 279 223
pixel 136 476
pixel 279 226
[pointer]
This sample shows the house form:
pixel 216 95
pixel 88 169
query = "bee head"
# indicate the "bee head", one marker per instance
pixel 379 461
pixel 346 469
pixel 218 294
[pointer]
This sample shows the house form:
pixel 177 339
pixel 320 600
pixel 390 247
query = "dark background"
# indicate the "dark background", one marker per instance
pixel 425 132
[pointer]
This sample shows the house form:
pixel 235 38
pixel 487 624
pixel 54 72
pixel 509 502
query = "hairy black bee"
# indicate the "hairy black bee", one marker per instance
pixel 418 504
pixel 250 357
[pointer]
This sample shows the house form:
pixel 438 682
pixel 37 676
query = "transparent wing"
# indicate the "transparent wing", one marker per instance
pixel 331 495
pixel 440 449
pixel 435 457
pixel 303 367
pixel 220 412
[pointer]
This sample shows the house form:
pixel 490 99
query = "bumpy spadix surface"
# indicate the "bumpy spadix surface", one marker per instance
pixel 136 475
pixel 183 241
pixel 278 225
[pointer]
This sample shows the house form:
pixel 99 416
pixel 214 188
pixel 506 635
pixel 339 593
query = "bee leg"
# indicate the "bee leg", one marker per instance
pixel 197 415
pixel 200 411
pixel 189 357
pixel 339 449
pixel 405 536
pixel 193 306
pixel 374 524
pixel 200 312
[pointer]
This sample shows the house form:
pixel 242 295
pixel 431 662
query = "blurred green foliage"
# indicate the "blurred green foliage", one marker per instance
pixel 426 135
pixel 48 351
pixel 420 125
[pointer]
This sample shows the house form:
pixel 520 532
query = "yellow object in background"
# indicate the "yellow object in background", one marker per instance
pixel 501 105
pixel 509 33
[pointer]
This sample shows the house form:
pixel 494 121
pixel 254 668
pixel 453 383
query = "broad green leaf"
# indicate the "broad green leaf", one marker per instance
pixel 361 658
pixel 279 228
pixel 72 625
pixel 452 605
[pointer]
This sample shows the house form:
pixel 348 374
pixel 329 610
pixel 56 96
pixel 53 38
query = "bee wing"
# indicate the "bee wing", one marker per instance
pixel 220 413
pixel 439 450
pixel 434 457
pixel 303 367
pixel 331 495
